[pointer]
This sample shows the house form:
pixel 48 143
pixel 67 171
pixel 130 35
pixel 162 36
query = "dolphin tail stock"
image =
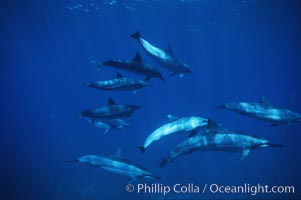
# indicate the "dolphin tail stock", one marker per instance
pixel 142 149
pixel 136 35
pixel 71 161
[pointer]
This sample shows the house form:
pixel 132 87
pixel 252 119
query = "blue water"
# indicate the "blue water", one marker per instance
pixel 239 50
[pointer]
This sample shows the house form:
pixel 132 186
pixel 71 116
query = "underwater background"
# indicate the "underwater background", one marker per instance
pixel 239 50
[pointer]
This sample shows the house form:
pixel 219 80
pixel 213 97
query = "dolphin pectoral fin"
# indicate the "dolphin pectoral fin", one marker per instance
pixel 136 35
pixel 272 125
pixel 106 131
pixel 135 91
pixel 244 154
pixel 181 75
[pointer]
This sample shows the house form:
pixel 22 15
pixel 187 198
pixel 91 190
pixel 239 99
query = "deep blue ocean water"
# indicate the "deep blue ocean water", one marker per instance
pixel 240 50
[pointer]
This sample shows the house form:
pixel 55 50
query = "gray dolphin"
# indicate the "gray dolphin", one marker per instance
pixel 135 66
pixel 111 111
pixel 175 125
pixel 109 124
pixel 165 58
pixel 216 138
pixel 120 83
pixel 117 165
pixel 264 111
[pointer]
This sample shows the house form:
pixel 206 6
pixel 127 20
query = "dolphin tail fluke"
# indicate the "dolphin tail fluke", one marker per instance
pixel 142 149
pixel 136 35
pixel 163 162
pixel 71 161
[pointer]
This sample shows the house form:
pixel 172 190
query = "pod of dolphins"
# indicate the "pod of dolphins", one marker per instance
pixel 204 134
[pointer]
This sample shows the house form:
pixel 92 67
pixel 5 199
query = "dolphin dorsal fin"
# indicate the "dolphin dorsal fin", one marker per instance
pixel 211 124
pixel 138 58
pixel 111 102
pixel 169 50
pixel 172 118
pixel 264 100
pixel 118 153
pixel 118 75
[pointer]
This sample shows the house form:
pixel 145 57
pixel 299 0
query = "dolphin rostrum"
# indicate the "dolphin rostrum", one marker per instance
pixel 216 138
pixel 135 66
pixel 165 58
pixel 175 125
pixel 264 111
pixel 117 165
pixel 120 83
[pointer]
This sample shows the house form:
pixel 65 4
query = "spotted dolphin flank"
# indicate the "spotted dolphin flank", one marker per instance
pixel 165 58
pixel 120 83
pixel 216 138
pixel 111 111
pixel 117 165
pixel 135 66
pixel 264 111
pixel 175 125
pixel 109 124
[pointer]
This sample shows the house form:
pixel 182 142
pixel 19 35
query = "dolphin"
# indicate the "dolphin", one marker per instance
pixel 109 124
pixel 215 138
pixel 118 84
pixel 117 165
pixel 111 111
pixel 135 66
pixel 175 125
pixel 165 58
pixel 264 111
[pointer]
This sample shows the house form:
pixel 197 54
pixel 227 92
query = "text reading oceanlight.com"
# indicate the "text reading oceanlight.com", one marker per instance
pixel 191 188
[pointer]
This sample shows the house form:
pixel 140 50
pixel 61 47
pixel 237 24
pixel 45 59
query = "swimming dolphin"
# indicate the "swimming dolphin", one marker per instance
pixel 109 124
pixel 165 58
pixel 175 125
pixel 111 111
pixel 118 84
pixel 135 66
pixel 215 138
pixel 117 165
pixel 264 111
